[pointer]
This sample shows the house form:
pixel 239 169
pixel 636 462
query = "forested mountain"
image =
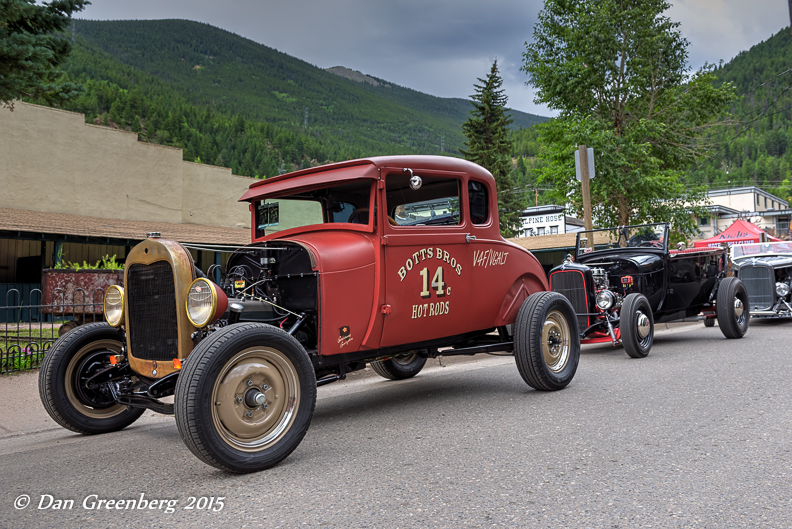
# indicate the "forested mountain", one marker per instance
pixel 229 101
pixel 754 148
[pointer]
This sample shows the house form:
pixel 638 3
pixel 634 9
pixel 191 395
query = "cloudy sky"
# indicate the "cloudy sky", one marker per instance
pixel 437 46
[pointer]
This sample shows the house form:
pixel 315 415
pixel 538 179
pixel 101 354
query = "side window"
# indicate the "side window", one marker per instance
pixel 479 202
pixel 434 203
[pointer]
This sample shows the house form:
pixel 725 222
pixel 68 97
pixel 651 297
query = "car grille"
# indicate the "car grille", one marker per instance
pixel 151 302
pixel 760 284
pixel 571 284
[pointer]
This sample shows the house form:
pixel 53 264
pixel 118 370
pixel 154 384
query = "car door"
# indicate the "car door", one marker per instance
pixel 426 248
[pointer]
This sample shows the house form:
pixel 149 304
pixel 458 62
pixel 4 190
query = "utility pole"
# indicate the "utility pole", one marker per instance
pixel 537 191
pixel 584 181
pixel 790 14
pixel 306 114
pixel 442 138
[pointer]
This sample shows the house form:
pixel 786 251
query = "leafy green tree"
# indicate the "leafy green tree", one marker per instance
pixel 617 72
pixel 489 145
pixel 31 51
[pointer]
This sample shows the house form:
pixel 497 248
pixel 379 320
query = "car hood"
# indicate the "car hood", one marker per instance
pixel 634 261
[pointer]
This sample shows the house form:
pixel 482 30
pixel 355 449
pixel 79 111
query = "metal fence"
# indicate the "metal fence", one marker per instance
pixel 29 325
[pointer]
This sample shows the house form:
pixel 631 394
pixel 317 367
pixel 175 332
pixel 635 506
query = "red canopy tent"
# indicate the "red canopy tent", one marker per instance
pixel 741 232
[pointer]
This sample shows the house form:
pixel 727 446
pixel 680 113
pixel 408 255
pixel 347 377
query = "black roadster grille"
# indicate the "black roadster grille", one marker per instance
pixel 151 301
pixel 571 284
pixel 760 283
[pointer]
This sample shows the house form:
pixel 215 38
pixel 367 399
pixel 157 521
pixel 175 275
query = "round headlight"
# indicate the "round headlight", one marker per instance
pixel 114 305
pixel 782 289
pixel 605 299
pixel 201 302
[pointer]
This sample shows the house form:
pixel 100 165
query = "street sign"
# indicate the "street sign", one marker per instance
pixel 590 156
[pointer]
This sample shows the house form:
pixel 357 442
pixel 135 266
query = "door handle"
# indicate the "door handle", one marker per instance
pixel 469 237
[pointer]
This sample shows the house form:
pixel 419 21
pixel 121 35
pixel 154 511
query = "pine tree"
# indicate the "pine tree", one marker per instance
pixel 31 50
pixel 488 144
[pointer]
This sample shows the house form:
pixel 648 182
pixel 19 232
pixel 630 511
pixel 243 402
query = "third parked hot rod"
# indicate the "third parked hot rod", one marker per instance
pixel 623 280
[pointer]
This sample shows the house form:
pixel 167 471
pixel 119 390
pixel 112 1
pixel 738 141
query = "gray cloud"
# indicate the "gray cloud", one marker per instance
pixel 439 47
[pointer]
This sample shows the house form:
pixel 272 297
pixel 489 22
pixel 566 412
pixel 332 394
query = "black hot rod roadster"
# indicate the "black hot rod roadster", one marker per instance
pixel 621 281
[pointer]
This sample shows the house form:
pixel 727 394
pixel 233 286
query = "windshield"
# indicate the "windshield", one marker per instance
pixel 764 248
pixel 348 202
pixel 653 236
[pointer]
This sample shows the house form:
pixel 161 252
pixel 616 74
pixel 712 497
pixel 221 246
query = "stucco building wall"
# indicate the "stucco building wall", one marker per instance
pixel 52 161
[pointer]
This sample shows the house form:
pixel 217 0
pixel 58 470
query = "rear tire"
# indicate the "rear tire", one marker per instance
pixel 732 307
pixel 546 341
pixel 245 397
pixel 399 367
pixel 637 325
pixel 73 358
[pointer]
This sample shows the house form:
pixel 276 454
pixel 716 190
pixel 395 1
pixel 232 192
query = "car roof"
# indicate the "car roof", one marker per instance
pixel 361 169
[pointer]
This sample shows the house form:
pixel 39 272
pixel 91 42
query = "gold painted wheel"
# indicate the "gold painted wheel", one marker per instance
pixel 255 398
pixel 88 361
pixel 555 341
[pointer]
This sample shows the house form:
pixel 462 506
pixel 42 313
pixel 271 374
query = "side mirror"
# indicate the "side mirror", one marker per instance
pixel 415 181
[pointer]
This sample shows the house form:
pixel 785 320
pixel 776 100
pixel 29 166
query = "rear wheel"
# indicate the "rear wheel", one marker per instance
pixel 245 397
pixel 546 341
pixel 637 325
pixel 732 308
pixel 399 367
pixel 65 392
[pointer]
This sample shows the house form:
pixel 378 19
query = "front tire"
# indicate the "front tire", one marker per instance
pixel 72 359
pixel 709 322
pixel 732 307
pixel 637 325
pixel 546 341
pixel 245 397
pixel 399 367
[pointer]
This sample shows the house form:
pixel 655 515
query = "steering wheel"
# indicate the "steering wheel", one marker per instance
pixel 651 244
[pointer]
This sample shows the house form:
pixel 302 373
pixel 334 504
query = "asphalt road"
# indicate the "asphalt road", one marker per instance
pixel 698 434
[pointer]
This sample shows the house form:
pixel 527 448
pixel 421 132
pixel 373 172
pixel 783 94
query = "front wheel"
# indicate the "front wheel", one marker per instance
pixel 65 392
pixel 732 308
pixel 637 325
pixel 546 341
pixel 245 397
pixel 709 322
pixel 399 367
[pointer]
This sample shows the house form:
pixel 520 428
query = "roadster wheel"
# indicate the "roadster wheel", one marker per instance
pixel 245 398
pixel 546 341
pixel 732 308
pixel 637 325
pixel 399 367
pixel 70 362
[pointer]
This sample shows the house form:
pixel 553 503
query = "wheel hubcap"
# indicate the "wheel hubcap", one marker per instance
pixel 555 341
pixel 738 308
pixel 643 325
pixel 255 398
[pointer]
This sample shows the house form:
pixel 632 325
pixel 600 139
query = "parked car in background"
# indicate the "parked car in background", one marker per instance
pixel 399 259
pixel 624 280
pixel 766 271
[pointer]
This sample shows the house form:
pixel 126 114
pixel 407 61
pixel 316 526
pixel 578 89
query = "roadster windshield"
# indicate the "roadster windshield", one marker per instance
pixel 764 248
pixel 654 236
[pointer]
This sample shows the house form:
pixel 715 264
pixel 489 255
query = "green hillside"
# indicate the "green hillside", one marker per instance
pixel 757 148
pixel 230 101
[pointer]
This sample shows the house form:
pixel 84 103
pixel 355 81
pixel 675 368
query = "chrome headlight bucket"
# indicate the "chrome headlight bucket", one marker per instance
pixel 782 289
pixel 114 305
pixel 605 299
pixel 205 302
